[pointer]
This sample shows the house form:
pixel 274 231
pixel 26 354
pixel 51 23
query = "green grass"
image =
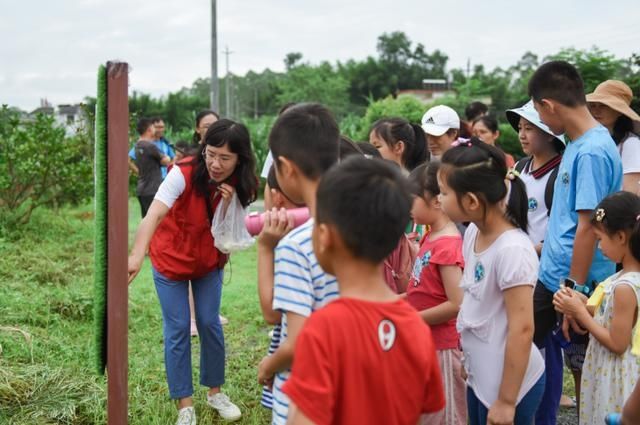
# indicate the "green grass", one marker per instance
pixel 46 364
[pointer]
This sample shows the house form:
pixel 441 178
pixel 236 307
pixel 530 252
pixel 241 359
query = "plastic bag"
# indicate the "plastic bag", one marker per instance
pixel 228 228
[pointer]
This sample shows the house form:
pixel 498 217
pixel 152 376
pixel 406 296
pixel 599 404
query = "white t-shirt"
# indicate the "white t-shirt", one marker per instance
pixel 171 188
pixel 630 153
pixel 482 322
pixel 538 214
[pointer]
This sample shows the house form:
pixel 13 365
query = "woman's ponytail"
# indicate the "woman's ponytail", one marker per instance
pixel 518 202
pixel 418 153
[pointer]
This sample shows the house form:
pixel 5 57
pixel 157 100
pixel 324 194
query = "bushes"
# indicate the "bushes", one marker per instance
pixel 412 110
pixel 40 166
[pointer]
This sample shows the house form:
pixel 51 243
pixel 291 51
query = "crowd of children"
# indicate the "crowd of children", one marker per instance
pixel 513 272
pixel 501 277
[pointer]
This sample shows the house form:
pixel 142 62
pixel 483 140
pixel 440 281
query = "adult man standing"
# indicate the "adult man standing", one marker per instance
pixel 162 143
pixel 148 160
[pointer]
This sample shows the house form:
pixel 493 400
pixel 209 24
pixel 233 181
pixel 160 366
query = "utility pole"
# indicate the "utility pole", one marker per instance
pixel 468 68
pixel 255 102
pixel 227 82
pixel 215 86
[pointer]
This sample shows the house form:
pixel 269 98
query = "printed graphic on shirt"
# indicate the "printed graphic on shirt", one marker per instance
pixel 479 272
pixel 386 334
pixel 565 178
pixel 421 262
pixel 533 204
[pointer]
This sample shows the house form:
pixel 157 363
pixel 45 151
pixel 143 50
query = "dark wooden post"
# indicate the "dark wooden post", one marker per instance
pixel 117 241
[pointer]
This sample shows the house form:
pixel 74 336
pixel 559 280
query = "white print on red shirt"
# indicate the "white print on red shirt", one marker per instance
pixel 386 334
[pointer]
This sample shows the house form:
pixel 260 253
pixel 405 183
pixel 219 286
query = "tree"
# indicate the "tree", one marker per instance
pixel 291 60
pixel 40 165
pixel 595 65
pixel 305 83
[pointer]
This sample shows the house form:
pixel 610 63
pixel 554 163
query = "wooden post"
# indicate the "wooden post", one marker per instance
pixel 117 241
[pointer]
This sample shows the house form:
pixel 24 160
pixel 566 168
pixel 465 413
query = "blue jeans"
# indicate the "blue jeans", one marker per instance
pixel 548 410
pixel 525 410
pixel 176 320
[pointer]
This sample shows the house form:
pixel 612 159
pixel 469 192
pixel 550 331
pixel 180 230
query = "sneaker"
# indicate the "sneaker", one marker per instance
pixel 186 416
pixel 567 402
pixel 223 320
pixel 194 328
pixel 227 410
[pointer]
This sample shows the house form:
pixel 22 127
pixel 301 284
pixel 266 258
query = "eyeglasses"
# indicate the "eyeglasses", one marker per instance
pixel 210 156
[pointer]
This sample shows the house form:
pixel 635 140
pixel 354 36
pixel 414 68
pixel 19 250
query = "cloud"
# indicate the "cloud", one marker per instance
pixel 54 50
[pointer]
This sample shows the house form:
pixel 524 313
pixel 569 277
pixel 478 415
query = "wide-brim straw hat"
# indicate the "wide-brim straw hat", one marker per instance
pixel 616 95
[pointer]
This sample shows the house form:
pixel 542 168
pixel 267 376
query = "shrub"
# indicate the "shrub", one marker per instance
pixel 40 166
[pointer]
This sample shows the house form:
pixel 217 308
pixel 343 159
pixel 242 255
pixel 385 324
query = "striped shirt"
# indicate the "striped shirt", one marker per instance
pixel 300 287
pixel 267 395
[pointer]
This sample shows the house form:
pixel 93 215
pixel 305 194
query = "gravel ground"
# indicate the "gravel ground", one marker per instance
pixel 567 416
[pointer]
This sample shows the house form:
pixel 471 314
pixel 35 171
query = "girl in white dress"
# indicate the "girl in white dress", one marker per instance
pixel 610 369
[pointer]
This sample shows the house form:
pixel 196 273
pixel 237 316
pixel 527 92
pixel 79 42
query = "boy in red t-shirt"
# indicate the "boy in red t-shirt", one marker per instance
pixel 353 356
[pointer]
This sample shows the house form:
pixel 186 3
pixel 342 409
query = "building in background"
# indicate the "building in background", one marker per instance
pixel 71 117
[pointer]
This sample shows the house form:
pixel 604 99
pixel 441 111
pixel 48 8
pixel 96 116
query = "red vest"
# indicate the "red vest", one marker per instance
pixel 182 247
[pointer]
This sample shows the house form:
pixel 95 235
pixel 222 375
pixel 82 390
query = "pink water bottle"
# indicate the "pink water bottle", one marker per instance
pixel 255 220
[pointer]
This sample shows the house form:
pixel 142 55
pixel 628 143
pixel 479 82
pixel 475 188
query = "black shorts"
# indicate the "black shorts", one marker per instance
pixel 575 352
pixel 544 315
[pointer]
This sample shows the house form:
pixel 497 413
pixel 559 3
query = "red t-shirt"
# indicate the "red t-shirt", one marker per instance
pixel 425 288
pixel 360 362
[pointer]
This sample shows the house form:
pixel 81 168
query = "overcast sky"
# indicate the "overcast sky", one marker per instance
pixel 52 48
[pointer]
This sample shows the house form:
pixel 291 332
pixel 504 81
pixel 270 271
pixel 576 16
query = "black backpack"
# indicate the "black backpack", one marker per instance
pixel 548 190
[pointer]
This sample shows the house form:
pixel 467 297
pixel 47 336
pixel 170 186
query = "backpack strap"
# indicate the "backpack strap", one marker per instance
pixel 520 165
pixel 548 190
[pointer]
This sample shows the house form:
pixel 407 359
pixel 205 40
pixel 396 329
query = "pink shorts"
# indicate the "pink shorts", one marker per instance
pixel 455 391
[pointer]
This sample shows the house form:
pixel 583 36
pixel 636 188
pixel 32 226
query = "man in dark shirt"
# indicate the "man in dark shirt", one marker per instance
pixel 149 161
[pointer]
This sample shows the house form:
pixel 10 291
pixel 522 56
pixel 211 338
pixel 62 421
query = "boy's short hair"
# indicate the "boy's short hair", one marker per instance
pixel 307 134
pixel 143 125
pixel 559 81
pixel 475 110
pixel 368 201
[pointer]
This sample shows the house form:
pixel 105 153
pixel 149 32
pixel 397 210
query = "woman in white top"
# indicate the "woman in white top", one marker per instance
pixel 505 370
pixel 609 104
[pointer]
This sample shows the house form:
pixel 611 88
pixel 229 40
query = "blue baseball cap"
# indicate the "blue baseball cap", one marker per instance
pixel 529 113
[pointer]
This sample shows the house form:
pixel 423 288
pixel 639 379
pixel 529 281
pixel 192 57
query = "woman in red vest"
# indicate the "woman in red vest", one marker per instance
pixel 177 233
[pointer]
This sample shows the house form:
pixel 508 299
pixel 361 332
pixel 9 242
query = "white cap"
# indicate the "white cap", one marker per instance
pixel 437 120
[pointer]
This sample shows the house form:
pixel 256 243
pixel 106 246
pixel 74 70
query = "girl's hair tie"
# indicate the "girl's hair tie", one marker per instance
pixel 461 142
pixel 600 214
pixel 512 174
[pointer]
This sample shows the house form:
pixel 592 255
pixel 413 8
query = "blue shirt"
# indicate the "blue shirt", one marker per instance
pixel 164 147
pixel 590 170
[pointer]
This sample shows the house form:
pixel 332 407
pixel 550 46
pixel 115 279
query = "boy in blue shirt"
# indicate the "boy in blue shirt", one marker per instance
pixel 304 142
pixel 590 170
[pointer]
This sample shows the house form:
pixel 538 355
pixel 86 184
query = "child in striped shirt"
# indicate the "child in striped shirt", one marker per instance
pixel 304 142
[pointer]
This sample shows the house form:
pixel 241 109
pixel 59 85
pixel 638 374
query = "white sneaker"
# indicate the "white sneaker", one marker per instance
pixel 223 320
pixel 227 410
pixel 186 416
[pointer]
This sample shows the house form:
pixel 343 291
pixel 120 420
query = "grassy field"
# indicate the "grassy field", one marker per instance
pixel 46 328
pixel 46 374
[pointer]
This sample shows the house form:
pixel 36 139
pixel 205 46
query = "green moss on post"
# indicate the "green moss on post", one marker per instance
pixel 100 238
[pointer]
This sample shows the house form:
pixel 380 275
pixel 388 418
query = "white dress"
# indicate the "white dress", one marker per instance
pixel 608 379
